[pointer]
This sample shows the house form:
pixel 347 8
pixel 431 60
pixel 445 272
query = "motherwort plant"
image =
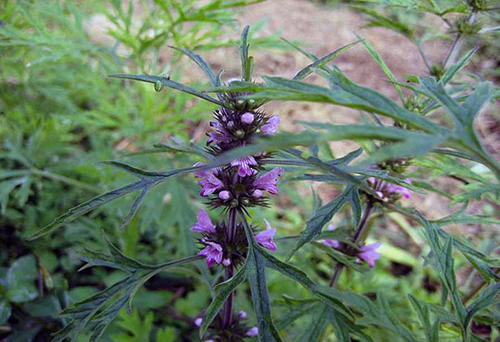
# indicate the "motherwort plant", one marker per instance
pixel 242 163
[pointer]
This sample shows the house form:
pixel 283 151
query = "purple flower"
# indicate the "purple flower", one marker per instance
pixel 265 237
pixel 209 182
pixel 242 314
pixel 212 252
pixel 244 164
pixel 369 254
pixel 271 126
pixel 198 322
pixel 226 262
pixel 331 243
pixel 398 189
pixel 224 195
pixel 203 223
pixel 257 193
pixel 269 180
pixel 252 332
pixel 247 118
pixel 220 135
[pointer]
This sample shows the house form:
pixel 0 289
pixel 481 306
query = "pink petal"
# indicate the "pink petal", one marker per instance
pixel 203 223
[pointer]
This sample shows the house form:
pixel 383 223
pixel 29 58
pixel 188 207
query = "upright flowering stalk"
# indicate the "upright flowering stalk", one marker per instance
pixel 234 187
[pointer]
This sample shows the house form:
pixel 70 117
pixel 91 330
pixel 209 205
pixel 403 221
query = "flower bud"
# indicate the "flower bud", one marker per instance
pixel 158 85
pixel 224 195
pixel 198 321
pixel 239 133
pixel 252 332
pixel 226 262
pixel 247 118
pixel 257 193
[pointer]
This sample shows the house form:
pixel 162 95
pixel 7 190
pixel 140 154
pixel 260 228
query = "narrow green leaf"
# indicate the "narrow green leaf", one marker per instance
pixel 376 56
pixel 147 180
pixel 222 291
pixel 485 298
pixel 483 93
pixel 295 313
pixel 346 93
pixel 314 331
pixel 258 288
pixel 423 316
pixel 299 49
pixel 330 295
pixel 321 217
pixel 450 73
pixel 443 263
pixel 169 83
pixel 378 19
pixel 246 61
pixel 201 63
pixel 98 311
pixel 260 297
pixel 436 90
pixel 303 73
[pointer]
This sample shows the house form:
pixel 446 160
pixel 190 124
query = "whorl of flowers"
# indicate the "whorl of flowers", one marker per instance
pixel 367 253
pixel 388 192
pixel 238 185
pixel 238 330
pixel 234 187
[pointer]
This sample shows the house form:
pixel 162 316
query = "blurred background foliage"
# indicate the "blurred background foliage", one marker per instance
pixel 60 116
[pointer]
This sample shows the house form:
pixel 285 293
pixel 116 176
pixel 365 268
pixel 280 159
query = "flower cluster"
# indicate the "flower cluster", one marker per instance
pixel 238 188
pixel 220 248
pixel 239 330
pixel 387 192
pixel 367 253
pixel 234 187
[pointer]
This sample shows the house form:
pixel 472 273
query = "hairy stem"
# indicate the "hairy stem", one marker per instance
pixel 228 305
pixel 357 235
pixel 452 56
pixel 476 290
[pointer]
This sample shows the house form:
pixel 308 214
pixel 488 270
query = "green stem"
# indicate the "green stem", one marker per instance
pixel 228 305
pixel 357 235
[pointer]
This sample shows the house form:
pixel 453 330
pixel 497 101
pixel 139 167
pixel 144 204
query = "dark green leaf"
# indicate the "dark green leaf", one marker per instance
pixel 485 298
pixel 314 331
pixel 257 279
pixel 294 313
pixel 451 71
pixel 98 311
pixel 20 280
pixel 147 180
pixel 5 310
pixel 222 291
pixel 321 217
